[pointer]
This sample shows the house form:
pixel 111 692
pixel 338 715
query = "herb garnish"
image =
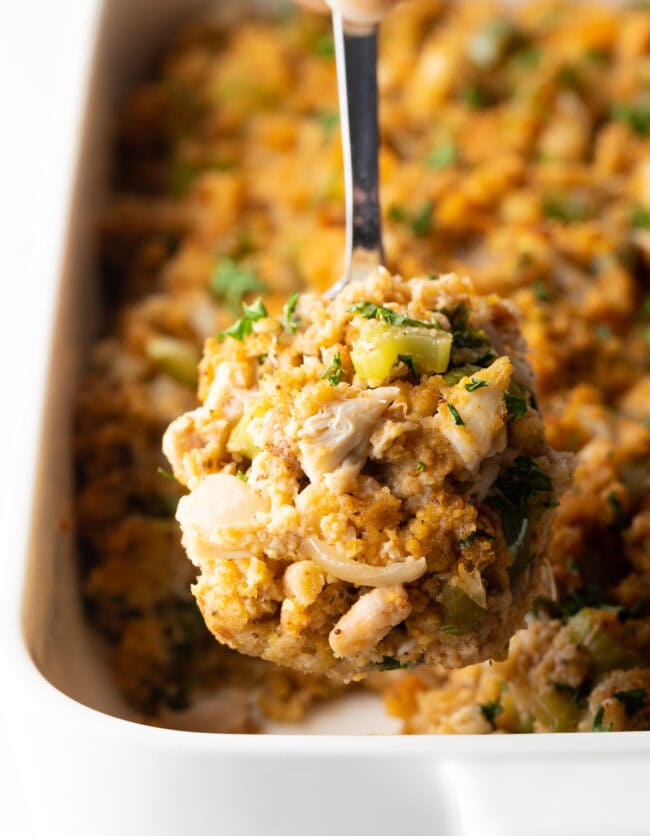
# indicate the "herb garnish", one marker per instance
pixel 516 405
pixel 541 292
pixel 455 415
pixel 230 282
pixel 244 326
pixel 335 370
pixel 636 116
pixel 419 222
pixel 598 722
pixel 420 467
pixel 475 384
pixel 465 335
pixel 241 475
pixel 324 46
pixel 442 155
pixel 619 517
pixel 167 474
pixel 491 710
pixel 640 217
pixel 289 321
pixel 567 210
pixel 579 693
pixel 368 310
pixel 390 663
pixel 631 700
pixel 408 362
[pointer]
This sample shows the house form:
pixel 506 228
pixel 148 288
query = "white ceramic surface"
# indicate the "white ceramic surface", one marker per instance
pixel 77 766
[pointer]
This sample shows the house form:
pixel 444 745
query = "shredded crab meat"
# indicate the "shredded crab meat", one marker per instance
pixel 473 421
pixel 337 437
pixel 369 619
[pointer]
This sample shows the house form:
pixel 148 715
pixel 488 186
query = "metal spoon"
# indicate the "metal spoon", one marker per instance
pixel 356 66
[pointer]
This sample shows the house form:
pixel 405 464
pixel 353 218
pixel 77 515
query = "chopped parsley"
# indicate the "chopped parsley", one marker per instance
pixel 516 405
pixel 466 542
pixel 491 710
pixel 167 474
pixel 390 663
pixel 635 115
pixel 420 467
pixel 407 360
pixel 465 336
pixel 324 46
pixel 368 310
pixel 420 222
pixel 335 371
pixel 289 319
pixel 541 292
pixel 328 120
pixel 475 97
pixel 433 277
pixel 443 155
pixel 454 376
pixel 475 384
pixel 567 210
pixel 578 694
pixel 640 217
pixel 244 326
pixel 619 517
pixel 598 722
pixel 455 415
pixel 241 475
pixel 230 283
pixel 631 700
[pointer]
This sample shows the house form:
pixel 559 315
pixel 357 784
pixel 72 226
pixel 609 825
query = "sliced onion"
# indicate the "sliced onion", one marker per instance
pixel 471 584
pixel 219 499
pixel 361 574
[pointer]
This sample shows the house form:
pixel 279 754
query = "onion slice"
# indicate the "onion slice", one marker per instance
pixel 362 574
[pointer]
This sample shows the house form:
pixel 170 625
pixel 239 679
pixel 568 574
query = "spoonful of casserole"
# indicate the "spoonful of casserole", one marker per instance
pixel 369 481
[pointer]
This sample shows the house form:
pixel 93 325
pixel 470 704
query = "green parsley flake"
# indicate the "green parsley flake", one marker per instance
pixel 407 360
pixel 289 320
pixel 455 415
pixel 443 155
pixel 541 292
pixel 491 710
pixel 230 283
pixel 324 46
pixel 516 405
pixel 167 474
pixel 635 115
pixel 244 326
pixel 598 722
pixel 390 663
pixel 420 467
pixel 566 210
pixel 433 277
pixel 242 476
pixel 640 217
pixel 475 384
pixel 335 371
pixel 420 222
pixel 368 310
pixel 631 700
pixel 328 120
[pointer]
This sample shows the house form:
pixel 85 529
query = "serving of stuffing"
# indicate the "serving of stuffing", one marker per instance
pixel 515 150
pixel 367 478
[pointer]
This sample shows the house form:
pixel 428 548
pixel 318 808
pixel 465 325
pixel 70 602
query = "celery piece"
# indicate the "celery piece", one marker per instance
pixel 374 354
pixel 460 613
pixel 556 710
pixel 176 358
pixel 241 440
pixel 606 653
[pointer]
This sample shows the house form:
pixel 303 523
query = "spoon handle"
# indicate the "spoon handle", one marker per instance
pixel 356 64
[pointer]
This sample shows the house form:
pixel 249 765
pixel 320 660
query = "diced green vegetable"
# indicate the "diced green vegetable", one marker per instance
pixel 460 613
pixel 454 376
pixel 176 358
pixel 240 440
pixel 556 710
pixel 598 725
pixel 376 351
pixel 607 654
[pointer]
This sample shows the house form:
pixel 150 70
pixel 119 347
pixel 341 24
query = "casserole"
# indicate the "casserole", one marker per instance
pixel 72 738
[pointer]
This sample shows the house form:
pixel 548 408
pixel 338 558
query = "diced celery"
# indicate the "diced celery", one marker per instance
pixel 240 440
pixel 556 711
pixel 606 653
pixel 375 354
pixel 176 358
pixel 454 376
pixel 460 613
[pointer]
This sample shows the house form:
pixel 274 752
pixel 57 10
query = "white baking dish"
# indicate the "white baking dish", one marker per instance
pixel 84 767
